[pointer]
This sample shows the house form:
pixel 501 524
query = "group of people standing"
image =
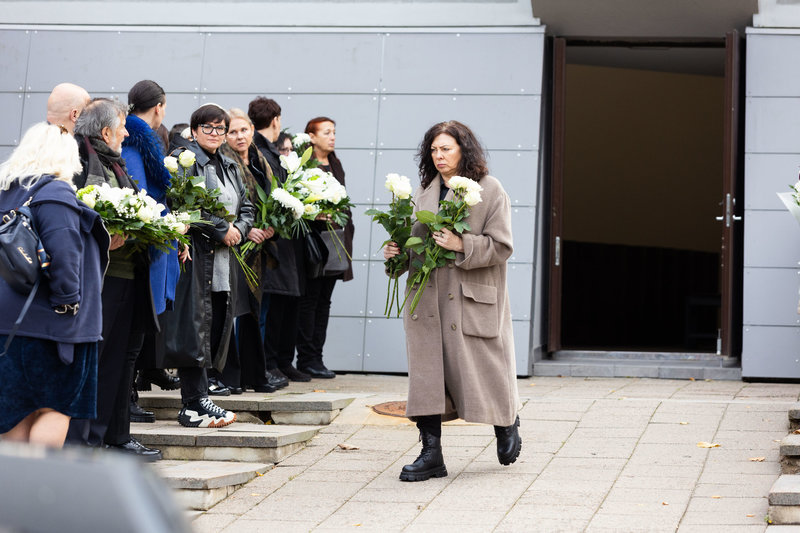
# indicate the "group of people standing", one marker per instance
pixel 109 310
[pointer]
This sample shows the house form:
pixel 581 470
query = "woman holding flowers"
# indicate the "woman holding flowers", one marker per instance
pixel 199 330
pixel 315 304
pixel 49 372
pixel 459 338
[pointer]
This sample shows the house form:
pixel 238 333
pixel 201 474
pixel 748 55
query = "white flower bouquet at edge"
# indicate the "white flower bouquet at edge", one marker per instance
pixel 137 216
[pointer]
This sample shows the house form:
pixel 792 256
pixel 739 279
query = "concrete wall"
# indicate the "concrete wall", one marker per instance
pixel 383 87
pixel 771 336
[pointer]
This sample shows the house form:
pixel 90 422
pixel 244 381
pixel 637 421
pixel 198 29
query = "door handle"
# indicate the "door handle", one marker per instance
pixel 558 251
pixel 728 217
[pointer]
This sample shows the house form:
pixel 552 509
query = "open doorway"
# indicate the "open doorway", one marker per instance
pixel 642 180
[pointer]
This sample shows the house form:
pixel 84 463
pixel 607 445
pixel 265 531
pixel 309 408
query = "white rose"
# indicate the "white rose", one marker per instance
pixel 171 163
pixel 186 159
pixel 288 201
pixel 89 200
pixel 459 183
pixel 472 198
pixel 145 214
pixel 399 185
pixel 300 139
pixel 311 210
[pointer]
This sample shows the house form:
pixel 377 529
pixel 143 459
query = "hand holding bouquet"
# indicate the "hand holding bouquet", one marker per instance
pixel 188 193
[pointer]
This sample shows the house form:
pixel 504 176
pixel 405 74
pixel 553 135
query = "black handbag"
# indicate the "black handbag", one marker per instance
pixel 316 254
pixel 337 263
pixel 23 260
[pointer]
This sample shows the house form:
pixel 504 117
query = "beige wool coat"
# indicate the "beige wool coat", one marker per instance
pixel 459 339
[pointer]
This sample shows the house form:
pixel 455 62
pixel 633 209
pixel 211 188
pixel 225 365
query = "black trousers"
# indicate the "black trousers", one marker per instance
pixel 252 359
pixel 430 424
pixel 114 370
pixel 231 373
pixel 312 322
pixel 281 330
pixel 194 383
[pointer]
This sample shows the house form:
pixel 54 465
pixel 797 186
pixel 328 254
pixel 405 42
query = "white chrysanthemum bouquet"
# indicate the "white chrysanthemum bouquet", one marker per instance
pixel 136 215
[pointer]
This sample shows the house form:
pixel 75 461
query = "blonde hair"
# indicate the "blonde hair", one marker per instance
pixel 43 150
pixel 235 112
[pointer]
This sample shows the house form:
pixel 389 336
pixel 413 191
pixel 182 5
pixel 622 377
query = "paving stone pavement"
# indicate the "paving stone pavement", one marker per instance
pixel 599 455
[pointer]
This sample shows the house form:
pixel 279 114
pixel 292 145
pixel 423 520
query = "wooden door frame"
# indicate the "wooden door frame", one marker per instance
pixel 730 268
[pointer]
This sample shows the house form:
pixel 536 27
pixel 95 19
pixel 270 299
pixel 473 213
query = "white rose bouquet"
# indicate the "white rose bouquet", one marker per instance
pixel 136 215
pixel 188 193
pixel 452 215
pixel 397 222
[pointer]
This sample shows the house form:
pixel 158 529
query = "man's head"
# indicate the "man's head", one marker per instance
pixel 265 114
pixel 104 119
pixel 65 103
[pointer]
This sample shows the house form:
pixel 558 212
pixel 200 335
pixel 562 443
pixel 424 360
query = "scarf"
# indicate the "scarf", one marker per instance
pixel 144 140
pixel 100 156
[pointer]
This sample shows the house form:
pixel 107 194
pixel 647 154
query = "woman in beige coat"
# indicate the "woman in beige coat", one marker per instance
pixel 459 338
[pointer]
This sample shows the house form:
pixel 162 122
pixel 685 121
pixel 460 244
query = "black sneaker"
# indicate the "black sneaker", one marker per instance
pixel 204 413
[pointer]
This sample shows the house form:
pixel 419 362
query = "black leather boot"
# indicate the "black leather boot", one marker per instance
pixel 158 377
pixel 430 462
pixel 509 443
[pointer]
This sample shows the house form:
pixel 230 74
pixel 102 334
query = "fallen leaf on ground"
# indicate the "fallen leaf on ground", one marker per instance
pixel 757 459
pixel 319 390
pixel 796 431
pixel 348 447
pixel 750 516
pixel 256 494
pixel 716 496
pixel 692 379
pixel 532 385
pixel 703 444
pixel 683 423
pixel 664 503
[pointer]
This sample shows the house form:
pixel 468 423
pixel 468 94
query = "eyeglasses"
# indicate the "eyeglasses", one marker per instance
pixel 284 151
pixel 208 129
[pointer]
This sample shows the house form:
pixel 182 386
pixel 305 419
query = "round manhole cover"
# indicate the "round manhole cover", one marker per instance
pixel 391 409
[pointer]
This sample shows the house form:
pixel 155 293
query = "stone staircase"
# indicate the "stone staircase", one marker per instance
pixel 205 465
pixel 784 496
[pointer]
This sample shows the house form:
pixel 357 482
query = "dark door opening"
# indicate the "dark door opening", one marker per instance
pixel 636 243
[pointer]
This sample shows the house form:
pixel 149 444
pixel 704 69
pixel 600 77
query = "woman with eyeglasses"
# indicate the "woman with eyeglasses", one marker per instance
pixel 196 339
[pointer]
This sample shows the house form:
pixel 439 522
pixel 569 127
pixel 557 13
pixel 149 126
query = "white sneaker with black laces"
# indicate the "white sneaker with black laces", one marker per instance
pixel 204 413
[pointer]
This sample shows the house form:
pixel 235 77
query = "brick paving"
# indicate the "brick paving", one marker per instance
pixel 599 455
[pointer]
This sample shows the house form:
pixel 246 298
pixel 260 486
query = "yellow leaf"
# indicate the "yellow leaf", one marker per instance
pixel 692 379
pixel 357 525
pixel 532 385
pixel 703 444
pixel 348 447
pixel 664 503
pixel 796 431
pixel 319 390
pixel 256 494
pixel 757 459
pixel 750 516
pixel 716 496
pixel 683 423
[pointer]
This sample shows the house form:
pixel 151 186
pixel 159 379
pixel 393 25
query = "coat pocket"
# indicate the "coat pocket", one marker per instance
pixel 479 310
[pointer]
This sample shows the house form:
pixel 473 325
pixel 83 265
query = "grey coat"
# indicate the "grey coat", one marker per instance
pixel 459 340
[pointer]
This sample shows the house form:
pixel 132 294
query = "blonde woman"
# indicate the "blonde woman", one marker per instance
pixel 49 373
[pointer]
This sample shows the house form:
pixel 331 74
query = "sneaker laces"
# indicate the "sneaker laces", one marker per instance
pixel 213 408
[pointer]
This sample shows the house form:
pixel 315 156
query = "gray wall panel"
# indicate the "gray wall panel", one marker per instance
pixel 118 60
pixel 517 171
pixel 398 162
pixel 350 298
pixel 767 74
pixel 12 104
pixel 764 246
pixel 773 125
pixel 352 63
pixel 5 152
pixel 520 286
pixel 771 297
pixel 359 167
pixel 521 221
pixel 438 61
pixel 766 175
pixel 344 344
pixel 180 107
pixel 385 346
pixel 522 333
pixel 405 119
pixel 14 65
pixel 361 238
pixel 771 352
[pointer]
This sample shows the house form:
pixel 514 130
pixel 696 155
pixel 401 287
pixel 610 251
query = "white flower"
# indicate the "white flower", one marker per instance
pixel 145 214
pixel 398 185
pixel 113 195
pixel 300 139
pixel 186 159
pixel 89 200
pixel 291 162
pixel 311 210
pixel 171 163
pixel 288 201
pixel 472 198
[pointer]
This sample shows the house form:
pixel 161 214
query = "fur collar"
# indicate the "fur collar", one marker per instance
pixel 144 140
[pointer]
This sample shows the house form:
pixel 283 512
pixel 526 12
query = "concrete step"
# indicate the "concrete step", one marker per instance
pixel 790 454
pixel 784 500
pixel 794 416
pixel 265 443
pixel 312 408
pixel 199 485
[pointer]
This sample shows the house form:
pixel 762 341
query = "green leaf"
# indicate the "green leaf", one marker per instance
pixel 412 241
pixel 426 217
pixel 306 156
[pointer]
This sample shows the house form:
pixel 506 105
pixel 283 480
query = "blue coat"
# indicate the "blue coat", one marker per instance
pixel 151 176
pixel 77 243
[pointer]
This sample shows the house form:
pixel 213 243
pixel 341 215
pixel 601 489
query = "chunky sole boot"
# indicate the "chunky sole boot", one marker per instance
pixel 509 443
pixel 430 462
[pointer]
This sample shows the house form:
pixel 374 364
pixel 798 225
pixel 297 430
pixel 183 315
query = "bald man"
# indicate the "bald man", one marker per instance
pixel 65 103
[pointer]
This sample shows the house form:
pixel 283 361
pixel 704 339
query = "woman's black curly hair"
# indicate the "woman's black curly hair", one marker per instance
pixel 473 160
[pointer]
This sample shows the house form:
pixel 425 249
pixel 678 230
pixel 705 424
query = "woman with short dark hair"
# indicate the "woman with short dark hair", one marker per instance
pixel 197 339
pixel 459 339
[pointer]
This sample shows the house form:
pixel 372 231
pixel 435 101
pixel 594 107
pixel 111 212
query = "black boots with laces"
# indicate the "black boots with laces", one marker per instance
pixel 509 443
pixel 430 462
